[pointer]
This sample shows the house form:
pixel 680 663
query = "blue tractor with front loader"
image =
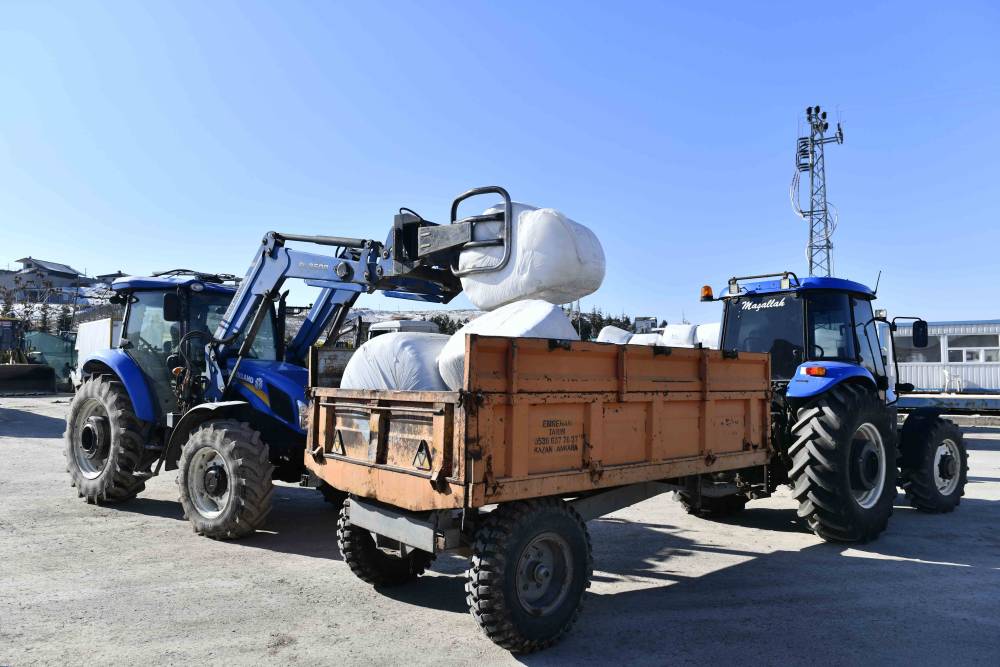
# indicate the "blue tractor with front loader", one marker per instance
pixel 834 415
pixel 203 380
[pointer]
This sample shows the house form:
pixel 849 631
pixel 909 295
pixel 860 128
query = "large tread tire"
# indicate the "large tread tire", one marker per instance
pixel 919 441
pixel 821 464
pixel 371 564
pixel 248 479
pixel 715 507
pixel 332 495
pixel 491 581
pixel 115 481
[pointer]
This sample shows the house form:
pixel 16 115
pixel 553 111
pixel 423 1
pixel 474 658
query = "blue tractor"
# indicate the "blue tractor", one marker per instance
pixel 204 382
pixel 834 416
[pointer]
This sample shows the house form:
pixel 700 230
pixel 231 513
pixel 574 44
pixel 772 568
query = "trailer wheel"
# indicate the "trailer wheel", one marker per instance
pixel 332 495
pixel 715 507
pixel 531 563
pixel 844 464
pixel 935 464
pixel 372 564
pixel 224 477
pixel 103 442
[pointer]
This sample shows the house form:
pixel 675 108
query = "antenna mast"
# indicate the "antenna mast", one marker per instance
pixel 809 157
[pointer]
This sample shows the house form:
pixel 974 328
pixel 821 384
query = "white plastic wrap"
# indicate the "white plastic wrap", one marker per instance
pixel 403 361
pixel 708 335
pixel 678 335
pixel 646 339
pixel 521 319
pixel 552 258
pixel 611 334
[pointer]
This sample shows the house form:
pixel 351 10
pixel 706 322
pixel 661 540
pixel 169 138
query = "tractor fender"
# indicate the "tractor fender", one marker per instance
pixel 116 362
pixel 194 418
pixel 804 385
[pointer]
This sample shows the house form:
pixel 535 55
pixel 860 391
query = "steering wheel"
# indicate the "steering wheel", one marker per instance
pixel 822 353
pixel 749 344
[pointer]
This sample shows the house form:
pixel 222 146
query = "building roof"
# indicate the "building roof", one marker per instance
pixel 50 266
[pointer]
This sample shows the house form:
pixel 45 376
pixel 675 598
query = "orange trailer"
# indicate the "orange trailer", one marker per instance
pixel 544 435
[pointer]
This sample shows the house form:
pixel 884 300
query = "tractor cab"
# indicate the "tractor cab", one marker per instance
pixel 818 331
pixel 168 319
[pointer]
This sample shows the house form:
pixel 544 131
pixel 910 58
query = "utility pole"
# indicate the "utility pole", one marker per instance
pixel 809 157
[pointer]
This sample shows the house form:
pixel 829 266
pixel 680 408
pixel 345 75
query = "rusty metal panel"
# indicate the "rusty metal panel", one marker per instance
pixel 543 418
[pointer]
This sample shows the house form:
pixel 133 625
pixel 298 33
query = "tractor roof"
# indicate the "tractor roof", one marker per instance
pixel 167 282
pixel 808 283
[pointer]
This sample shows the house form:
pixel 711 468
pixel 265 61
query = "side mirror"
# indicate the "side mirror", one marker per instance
pixel 919 333
pixel 171 307
pixel 904 387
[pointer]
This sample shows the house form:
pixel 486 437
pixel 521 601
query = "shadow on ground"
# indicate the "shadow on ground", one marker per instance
pixel 300 522
pixel 25 424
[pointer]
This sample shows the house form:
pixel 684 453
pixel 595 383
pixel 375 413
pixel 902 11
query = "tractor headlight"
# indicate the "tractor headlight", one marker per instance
pixel 303 409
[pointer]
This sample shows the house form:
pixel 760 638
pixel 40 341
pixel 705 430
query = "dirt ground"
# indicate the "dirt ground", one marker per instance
pixel 131 584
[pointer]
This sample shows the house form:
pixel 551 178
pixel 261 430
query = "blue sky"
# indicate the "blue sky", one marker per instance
pixel 151 135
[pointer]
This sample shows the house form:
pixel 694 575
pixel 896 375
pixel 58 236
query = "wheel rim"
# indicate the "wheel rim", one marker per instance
pixel 868 465
pixel 544 573
pixel 208 482
pixel 947 459
pixel 92 444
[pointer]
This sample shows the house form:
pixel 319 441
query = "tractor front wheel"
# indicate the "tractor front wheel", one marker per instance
pixel 103 442
pixel 224 479
pixel 844 464
pixel 934 463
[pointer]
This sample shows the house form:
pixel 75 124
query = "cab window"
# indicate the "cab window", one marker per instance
pixel 866 337
pixel 830 329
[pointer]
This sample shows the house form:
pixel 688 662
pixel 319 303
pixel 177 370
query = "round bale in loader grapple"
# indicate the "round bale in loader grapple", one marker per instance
pixel 833 410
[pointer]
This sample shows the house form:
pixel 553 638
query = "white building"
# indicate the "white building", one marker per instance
pixel 959 357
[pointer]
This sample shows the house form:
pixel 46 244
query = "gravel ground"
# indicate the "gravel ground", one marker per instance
pixel 132 584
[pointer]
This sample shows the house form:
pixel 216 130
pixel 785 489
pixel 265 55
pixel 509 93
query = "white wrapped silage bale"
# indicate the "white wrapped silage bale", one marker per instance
pixel 401 361
pixel 678 335
pixel 646 339
pixel 612 334
pixel 553 258
pixel 521 319
pixel 708 335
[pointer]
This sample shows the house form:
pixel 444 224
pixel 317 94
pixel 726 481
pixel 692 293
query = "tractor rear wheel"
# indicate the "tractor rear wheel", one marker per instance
pixel 934 463
pixel 224 478
pixel 714 507
pixel 531 564
pixel 372 564
pixel 844 464
pixel 103 442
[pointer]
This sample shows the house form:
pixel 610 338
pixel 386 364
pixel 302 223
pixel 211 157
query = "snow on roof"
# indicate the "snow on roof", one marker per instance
pixel 50 266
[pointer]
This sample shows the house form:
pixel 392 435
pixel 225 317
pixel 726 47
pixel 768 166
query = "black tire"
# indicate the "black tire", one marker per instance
pixel 224 478
pixel 832 466
pixel 498 566
pixel 370 563
pixel 934 462
pixel 332 495
pixel 715 507
pixel 103 442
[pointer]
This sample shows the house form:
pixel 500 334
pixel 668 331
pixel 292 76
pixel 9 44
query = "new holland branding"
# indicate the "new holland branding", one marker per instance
pixel 257 383
pixel 761 305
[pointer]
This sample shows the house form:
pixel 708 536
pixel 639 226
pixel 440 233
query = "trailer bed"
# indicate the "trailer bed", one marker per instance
pixel 539 418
